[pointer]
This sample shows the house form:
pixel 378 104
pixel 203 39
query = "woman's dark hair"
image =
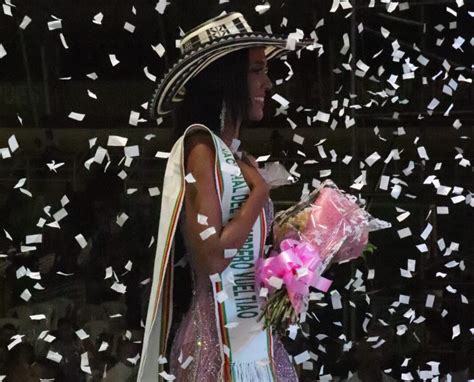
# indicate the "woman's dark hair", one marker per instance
pixel 225 80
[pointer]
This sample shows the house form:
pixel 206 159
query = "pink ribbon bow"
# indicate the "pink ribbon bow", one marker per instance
pixel 298 266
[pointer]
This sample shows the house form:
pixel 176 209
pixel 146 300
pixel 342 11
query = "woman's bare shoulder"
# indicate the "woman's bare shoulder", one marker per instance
pixel 198 136
pixel 199 145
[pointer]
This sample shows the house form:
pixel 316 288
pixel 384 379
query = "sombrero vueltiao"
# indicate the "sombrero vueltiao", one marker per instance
pixel 208 42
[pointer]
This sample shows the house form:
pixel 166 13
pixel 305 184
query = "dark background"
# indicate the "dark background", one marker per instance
pixel 34 88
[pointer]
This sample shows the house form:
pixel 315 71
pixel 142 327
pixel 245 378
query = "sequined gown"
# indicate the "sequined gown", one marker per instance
pixel 197 335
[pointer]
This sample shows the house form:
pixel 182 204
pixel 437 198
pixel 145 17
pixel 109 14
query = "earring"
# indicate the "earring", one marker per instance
pixel 222 116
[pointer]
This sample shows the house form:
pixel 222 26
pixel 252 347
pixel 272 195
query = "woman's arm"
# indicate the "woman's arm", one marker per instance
pixel 201 198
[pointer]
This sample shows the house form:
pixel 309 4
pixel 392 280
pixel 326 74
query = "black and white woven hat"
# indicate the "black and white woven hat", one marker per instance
pixel 208 42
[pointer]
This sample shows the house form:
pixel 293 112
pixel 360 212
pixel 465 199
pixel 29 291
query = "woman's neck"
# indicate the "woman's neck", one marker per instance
pixel 231 131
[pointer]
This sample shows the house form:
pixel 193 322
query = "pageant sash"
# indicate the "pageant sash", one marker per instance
pixel 160 307
pixel 246 349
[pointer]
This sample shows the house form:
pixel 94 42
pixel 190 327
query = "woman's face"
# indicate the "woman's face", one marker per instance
pixel 258 82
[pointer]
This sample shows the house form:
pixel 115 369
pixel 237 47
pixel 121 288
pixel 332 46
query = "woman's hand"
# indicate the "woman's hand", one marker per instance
pixel 251 174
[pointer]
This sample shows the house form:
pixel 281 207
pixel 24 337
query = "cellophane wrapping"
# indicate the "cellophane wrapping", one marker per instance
pixel 327 227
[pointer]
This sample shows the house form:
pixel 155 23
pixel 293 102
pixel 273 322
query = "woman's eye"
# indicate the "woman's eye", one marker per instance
pixel 260 70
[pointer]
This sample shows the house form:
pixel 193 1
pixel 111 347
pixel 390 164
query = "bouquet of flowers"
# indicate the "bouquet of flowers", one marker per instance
pixel 327 227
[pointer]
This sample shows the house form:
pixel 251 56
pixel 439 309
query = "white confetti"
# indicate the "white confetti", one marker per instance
pixel 98 18
pixel 159 49
pixel 82 334
pixel 7 8
pixel 298 139
pixel 34 239
pixel 53 166
pixel 92 76
pixel 423 248
pixel 119 288
pixel 262 8
pixel 121 219
pixel 230 253
pixel 113 60
pixel 263 292
pixel 424 235
pixel 64 274
pixel 162 155
pixel 433 104
pixel 25 22
pixel 324 173
pixel 26 192
pixel 129 265
pixel 442 210
pixel 63 41
pixel 275 282
pixel 187 362
pixel 160 8
pixel 322 117
pixel 189 178
pixel 302 357
pixel 335 5
pixel 404 299
pixel 371 159
pixel 404 232
pixel 346 44
pixel 456 331
pixel 336 300
pixel 422 153
pixel 134 118
pixel 20 183
pixel 347 159
pixel 221 296
pixel 263 158
pixel 154 191
pixel 207 233
pixel 91 94
pixel 17 338
pixel 148 75
pixel 115 140
pixel 371 274
pixel 406 274
pixel 292 331
pixel 7 235
pixel 85 363
pixel 129 27
pixel 38 317
pixel 81 240
pixel 202 219
pixel 132 151
pixel 281 100
pixel 164 374
pixel 76 116
pixel 100 154
pixel 25 295
pixel 55 24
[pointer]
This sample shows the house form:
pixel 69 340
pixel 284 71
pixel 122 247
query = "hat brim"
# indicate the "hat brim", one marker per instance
pixel 170 91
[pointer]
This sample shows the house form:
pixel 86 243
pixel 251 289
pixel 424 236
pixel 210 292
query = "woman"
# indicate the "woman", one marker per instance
pixel 216 198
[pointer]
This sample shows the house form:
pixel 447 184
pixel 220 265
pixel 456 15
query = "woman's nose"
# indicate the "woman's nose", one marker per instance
pixel 268 83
